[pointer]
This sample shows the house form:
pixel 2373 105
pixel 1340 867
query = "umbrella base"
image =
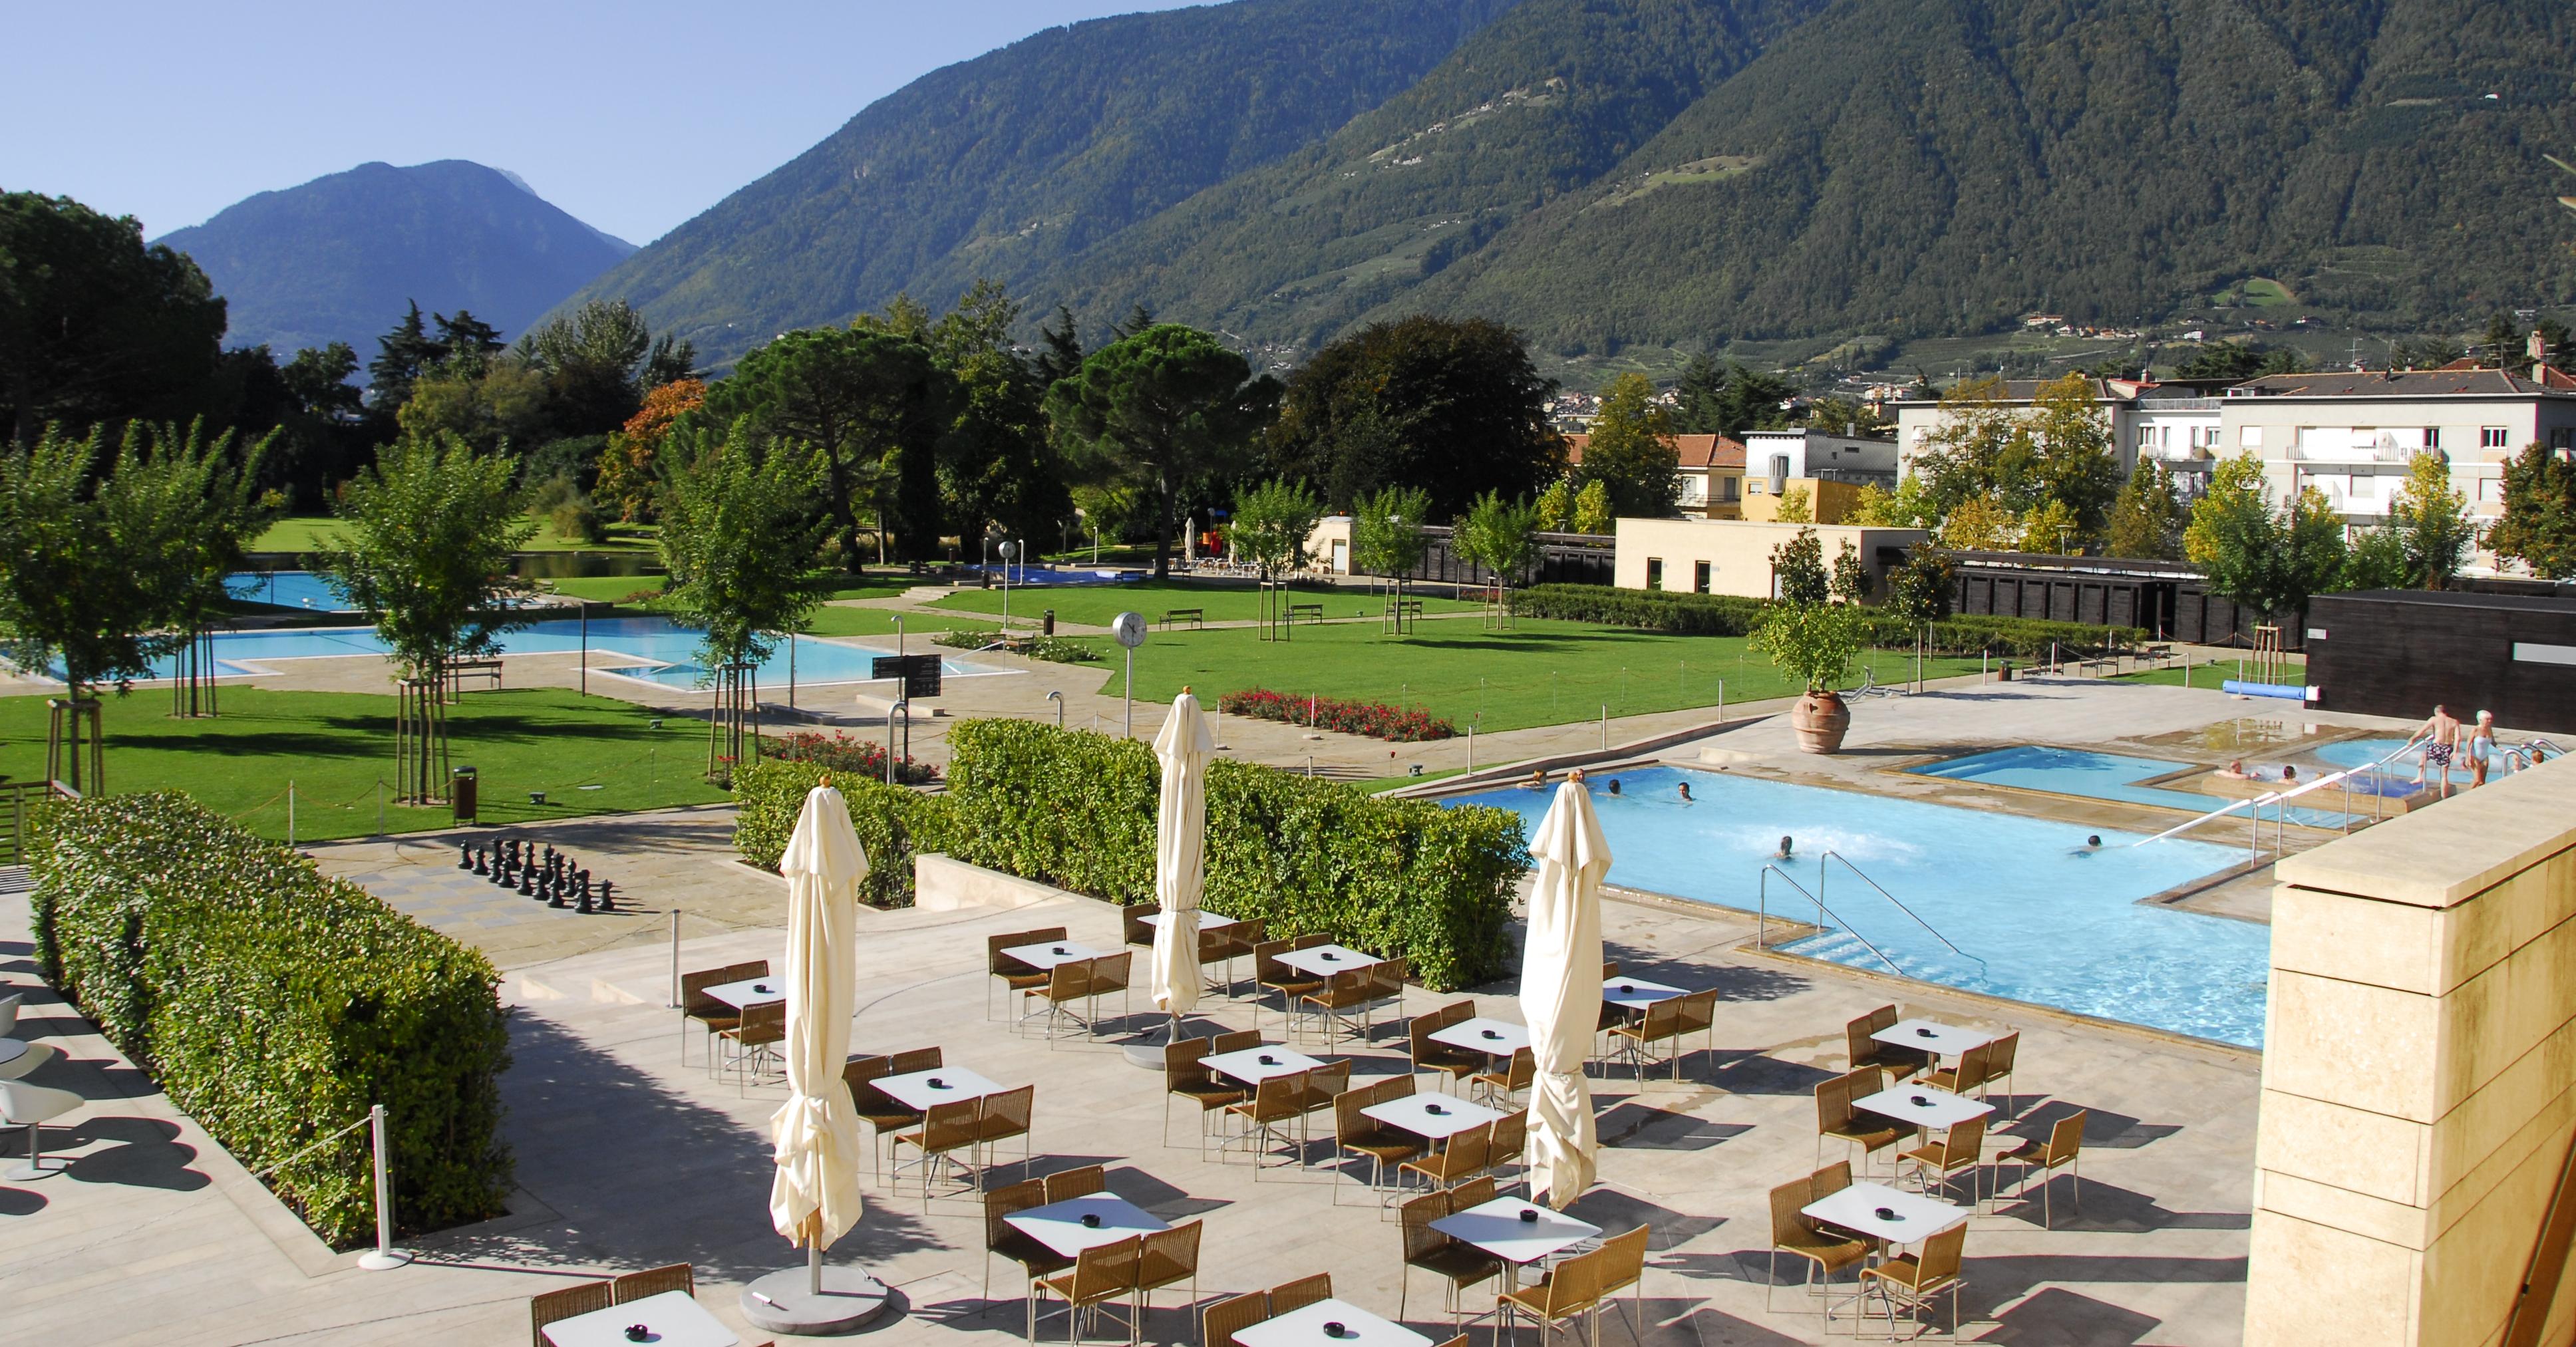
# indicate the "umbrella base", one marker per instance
pixel 1145 1050
pixel 851 1300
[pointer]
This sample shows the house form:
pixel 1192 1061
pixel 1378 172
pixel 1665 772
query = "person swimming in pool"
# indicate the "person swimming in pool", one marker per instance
pixel 1614 785
pixel 1537 780
pixel 2092 843
pixel 1787 851
pixel 1685 790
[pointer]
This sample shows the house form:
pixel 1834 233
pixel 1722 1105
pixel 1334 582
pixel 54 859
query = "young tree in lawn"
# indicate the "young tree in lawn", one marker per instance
pixel 1270 526
pixel 2433 517
pixel 1501 536
pixel 1162 410
pixel 92 566
pixel 1592 513
pixel 1632 451
pixel 1555 506
pixel 1920 590
pixel 209 509
pixel 426 539
pixel 1386 538
pixel 2270 560
pixel 1850 582
pixel 741 538
pixel 2538 527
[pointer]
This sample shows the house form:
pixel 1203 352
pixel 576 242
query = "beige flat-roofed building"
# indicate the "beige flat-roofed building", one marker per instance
pixel 1731 556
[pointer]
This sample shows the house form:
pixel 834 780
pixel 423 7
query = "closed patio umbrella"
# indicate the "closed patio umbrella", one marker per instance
pixel 1180 854
pixel 1561 992
pixel 814 1196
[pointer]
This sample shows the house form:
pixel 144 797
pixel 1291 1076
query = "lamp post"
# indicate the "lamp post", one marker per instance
pixel 1009 550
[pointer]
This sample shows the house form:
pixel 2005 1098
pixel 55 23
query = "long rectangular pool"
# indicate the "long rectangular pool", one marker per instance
pixel 2043 920
pixel 654 650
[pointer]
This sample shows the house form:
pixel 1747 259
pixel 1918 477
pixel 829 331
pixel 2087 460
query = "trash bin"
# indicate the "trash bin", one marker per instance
pixel 1049 628
pixel 460 793
pixel 2007 671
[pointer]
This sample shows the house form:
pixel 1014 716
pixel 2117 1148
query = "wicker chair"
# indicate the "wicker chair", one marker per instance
pixel 1836 1118
pixel 1344 1000
pixel 555 1306
pixel 1169 1258
pixel 1453 1064
pixel 1920 1281
pixel 1463 1158
pixel 1001 1237
pixel 945 1130
pixel 1275 1104
pixel 1516 1076
pixel 1795 1234
pixel 1356 1133
pixel 1623 1268
pixel 755 1040
pixel 1271 975
pixel 1138 930
pixel 1066 983
pixel 2064 1149
pixel 1963 1146
pixel 1218 1323
pixel 1100 1274
pixel 875 1107
pixel 1570 1290
pixel 1015 976
pixel 1510 1140
pixel 655 1281
pixel 1064 1185
pixel 1458 1265
pixel 706 1012
pixel 1001 1117
pixel 1662 1024
pixel 1185 1076
pixel 1899 1063
pixel 1970 1074
pixel 1288 1297
pixel 1999 1066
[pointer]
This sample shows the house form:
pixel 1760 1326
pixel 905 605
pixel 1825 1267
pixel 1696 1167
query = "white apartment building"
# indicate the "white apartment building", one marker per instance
pixel 2179 424
pixel 1774 457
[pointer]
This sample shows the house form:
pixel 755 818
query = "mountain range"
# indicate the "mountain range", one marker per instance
pixel 342 257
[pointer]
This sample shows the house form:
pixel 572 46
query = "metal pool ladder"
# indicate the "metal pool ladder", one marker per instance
pixel 1762 917
pixel 1830 856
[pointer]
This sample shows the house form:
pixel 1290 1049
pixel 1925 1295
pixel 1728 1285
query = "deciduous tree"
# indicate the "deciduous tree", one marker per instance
pixel 94 326
pixel 1452 406
pixel 1632 452
pixel 2147 519
pixel 2268 559
pixel 1269 529
pixel 2538 527
pixel 2432 517
pixel 872 404
pixel 1386 539
pixel 740 537
pixel 1798 570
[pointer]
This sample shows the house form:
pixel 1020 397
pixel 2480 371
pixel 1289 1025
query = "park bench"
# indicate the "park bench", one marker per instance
pixel 460 670
pixel 1312 612
pixel 1192 616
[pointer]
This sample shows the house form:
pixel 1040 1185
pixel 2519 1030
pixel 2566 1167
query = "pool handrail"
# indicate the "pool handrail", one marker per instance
pixel 2279 796
pixel 1900 904
pixel 1762 916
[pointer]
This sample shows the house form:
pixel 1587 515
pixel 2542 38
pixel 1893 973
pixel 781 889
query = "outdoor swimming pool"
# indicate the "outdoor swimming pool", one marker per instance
pixel 2102 776
pixel 285 589
pixel 2054 928
pixel 663 652
pixel 1039 577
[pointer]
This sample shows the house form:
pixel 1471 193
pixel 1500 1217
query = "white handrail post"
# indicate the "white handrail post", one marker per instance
pixel 385 1256
pixel 674 1002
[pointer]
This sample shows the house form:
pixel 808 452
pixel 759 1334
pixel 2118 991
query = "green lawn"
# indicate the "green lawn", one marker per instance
pixel 1543 673
pixel 311 533
pixel 2204 675
pixel 1095 605
pixel 335 745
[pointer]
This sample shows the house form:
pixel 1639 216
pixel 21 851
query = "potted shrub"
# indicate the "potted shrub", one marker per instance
pixel 1814 643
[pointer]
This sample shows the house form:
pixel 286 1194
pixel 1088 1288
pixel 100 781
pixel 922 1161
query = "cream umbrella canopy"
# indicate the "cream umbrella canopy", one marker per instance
pixel 1183 748
pixel 1561 992
pixel 814 1198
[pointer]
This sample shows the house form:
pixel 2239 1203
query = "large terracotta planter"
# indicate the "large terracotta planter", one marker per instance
pixel 1821 720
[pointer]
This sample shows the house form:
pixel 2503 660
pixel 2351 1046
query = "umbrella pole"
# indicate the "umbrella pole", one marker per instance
pixel 814 1266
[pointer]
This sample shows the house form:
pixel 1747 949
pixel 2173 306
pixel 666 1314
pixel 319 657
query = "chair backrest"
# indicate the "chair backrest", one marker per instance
pixel 1300 1293
pixel 1663 1020
pixel 1140 931
pixel 1882 1018
pixel 1522 1072
pixel 763 1023
pixel 1105 1270
pixel 1417 1036
pixel 1698 1010
pixel 2066 1137
pixel 1309 941
pixel 1071 1183
pixel 655 1281
pixel 1866 1081
pixel 916 1059
pixel 553 1306
pixel 1235 1040
pixel 1456 1012
pixel 1469 1151
pixel 1265 961
pixel 1966 1141
pixel 2000 1054
pixel 1349 1123
pixel 1247 934
pixel 1110 972
pixel 945 1127
pixel 1829 1180
pixel 1182 1065
pixel 693 992
pixel 1387 976
pixel 1169 1256
pixel 1221 1321
pixel 1789 1223
pixel 858 1071
pixel 1974 1064
pixel 1941 1255
pixel 1833 1103
pixel 1398 1086
pixel 1623 1260
pixel 1279 1097
pixel 1573 1284
pixel 1510 1136
pixel 1416 1216
pixel 1609 969
pixel 748 968
pixel 1007 1114
pixel 1327 1084
pixel 1215 946
pixel 1069 981
pixel 999 964
pixel 1003 1201
pixel 1044 935
pixel 1351 987
pixel 1857 1041
pixel 1470 1193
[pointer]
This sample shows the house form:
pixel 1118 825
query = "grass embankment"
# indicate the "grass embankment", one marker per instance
pixel 1096 605
pixel 313 533
pixel 335 746
pixel 1542 673
pixel 2210 675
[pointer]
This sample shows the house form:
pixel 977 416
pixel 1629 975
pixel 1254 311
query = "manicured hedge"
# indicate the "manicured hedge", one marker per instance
pixel 275 1005
pixel 1731 615
pixel 1377 720
pixel 892 822
pixel 1399 877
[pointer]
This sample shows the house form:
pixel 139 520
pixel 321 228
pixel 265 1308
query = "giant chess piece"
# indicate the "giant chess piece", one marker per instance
pixel 584 903
pixel 527 883
pixel 482 864
pixel 554 893
pixel 607 895
pixel 464 856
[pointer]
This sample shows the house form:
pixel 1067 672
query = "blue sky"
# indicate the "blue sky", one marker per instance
pixel 632 116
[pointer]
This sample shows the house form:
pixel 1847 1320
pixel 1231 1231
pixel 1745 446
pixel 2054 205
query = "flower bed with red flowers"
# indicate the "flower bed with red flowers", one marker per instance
pixel 1377 720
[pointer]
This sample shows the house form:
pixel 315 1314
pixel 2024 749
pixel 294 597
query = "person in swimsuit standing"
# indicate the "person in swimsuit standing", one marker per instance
pixel 2482 747
pixel 2441 736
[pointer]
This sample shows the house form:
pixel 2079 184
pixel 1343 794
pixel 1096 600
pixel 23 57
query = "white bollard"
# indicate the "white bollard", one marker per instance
pixel 385 1256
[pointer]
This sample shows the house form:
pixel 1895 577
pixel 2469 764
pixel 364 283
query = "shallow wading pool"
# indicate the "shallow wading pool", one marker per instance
pixel 2052 924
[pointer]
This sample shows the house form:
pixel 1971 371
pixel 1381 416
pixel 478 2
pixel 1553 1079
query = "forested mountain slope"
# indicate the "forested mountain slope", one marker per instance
pixel 1003 165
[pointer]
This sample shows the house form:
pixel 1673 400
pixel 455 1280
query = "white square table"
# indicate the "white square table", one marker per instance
pixel 1047 956
pixel 1208 921
pixel 11 1050
pixel 1636 993
pixel 1058 1225
pixel 1932 1036
pixel 915 1091
pixel 750 992
pixel 1325 960
pixel 1247 1066
pixel 1497 1037
pixel 1304 1327
pixel 1914 1216
pixel 1497 1228
pixel 675 1319
pixel 1923 1106
pixel 1413 1114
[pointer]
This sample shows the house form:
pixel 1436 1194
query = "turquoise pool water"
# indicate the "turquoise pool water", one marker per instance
pixel 663 652
pixel 285 589
pixel 2401 769
pixel 2101 776
pixel 2052 927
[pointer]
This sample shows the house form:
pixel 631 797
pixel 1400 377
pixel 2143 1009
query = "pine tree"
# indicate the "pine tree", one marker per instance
pixel 401 356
